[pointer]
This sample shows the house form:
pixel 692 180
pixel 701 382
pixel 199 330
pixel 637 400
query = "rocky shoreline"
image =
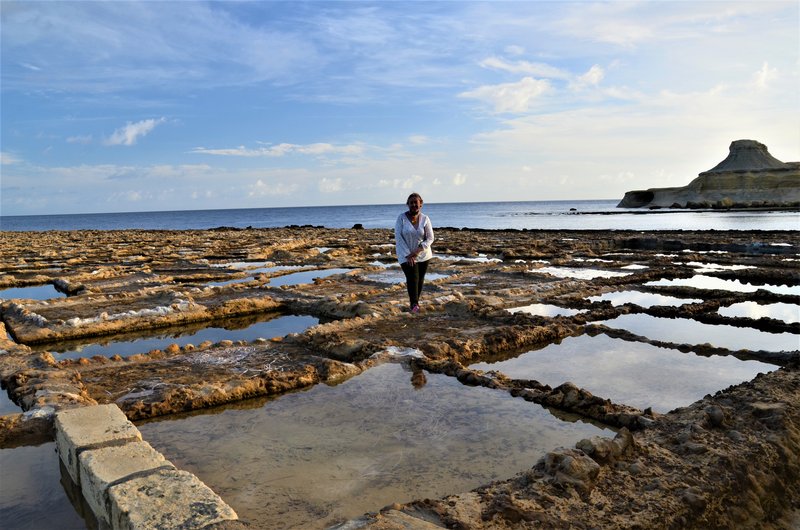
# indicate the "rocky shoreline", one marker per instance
pixel 730 460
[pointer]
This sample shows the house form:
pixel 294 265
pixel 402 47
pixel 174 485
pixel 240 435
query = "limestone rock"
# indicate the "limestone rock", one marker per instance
pixel 749 177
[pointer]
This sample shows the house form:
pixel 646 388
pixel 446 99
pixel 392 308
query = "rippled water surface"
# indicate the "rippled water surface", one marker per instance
pixel 310 459
pixel 687 331
pixel 633 373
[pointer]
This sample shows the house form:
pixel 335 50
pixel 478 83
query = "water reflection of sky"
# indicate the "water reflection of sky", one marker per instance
pixel 273 327
pixel 701 281
pixel 779 311
pixel 687 331
pixel 297 278
pixel 579 273
pixel 397 276
pixel 35 292
pixel 367 442
pixel 6 405
pixel 31 495
pixel 633 373
pixel 642 299
pixel 545 310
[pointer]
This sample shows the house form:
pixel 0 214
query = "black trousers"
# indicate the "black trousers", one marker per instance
pixel 415 277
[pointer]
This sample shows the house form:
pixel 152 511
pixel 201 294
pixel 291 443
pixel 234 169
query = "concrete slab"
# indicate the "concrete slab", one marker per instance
pixel 92 427
pixel 102 468
pixel 167 499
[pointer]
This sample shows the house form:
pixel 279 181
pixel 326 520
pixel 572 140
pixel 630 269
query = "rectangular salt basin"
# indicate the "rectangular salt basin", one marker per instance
pixel 701 281
pixel 298 278
pixel 634 373
pixel 397 276
pixel 579 273
pixel 312 459
pixel 267 327
pixel 688 331
pixel 31 493
pixel 546 310
pixel 789 313
pixel 35 292
pixel 642 299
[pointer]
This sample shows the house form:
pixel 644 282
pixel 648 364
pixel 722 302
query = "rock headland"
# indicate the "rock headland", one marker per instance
pixel 750 177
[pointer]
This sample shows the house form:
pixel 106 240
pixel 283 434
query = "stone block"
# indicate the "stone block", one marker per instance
pixel 167 499
pixel 102 468
pixel 92 427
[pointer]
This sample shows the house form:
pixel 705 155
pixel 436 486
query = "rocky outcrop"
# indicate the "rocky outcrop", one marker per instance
pixel 750 177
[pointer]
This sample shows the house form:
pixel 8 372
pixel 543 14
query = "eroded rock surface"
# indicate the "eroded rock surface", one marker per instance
pixel 727 461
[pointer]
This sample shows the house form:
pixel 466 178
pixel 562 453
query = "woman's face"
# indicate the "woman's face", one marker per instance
pixel 414 205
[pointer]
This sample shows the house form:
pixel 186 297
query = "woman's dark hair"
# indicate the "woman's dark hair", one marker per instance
pixel 414 195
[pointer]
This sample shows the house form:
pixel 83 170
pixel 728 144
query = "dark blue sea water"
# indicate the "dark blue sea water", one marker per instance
pixel 592 215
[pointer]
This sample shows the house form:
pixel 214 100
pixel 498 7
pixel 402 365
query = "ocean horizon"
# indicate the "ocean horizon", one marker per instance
pixel 519 215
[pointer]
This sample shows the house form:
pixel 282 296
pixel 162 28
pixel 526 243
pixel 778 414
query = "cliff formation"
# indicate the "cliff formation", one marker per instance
pixel 750 177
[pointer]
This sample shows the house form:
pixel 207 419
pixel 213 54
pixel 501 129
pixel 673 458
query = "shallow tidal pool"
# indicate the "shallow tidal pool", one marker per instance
pixel 264 326
pixel 314 458
pixel 632 373
pixel 688 331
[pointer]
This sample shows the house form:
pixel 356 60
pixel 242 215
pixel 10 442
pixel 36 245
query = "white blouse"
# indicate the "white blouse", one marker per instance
pixel 408 237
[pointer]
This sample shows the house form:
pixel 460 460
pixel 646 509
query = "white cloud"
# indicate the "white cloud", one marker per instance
pixel 459 179
pixel 283 149
pixel 765 76
pixel 400 183
pixel 525 67
pixel 590 78
pixel 262 189
pixel 6 159
pixel 418 139
pixel 510 97
pixel 327 185
pixel 86 139
pixel 129 134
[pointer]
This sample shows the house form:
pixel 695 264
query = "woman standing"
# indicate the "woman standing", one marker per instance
pixel 413 234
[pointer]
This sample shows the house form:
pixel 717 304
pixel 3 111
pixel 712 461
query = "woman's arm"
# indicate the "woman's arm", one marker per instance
pixel 401 247
pixel 428 228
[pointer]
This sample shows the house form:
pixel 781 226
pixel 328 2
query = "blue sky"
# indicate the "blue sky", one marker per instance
pixel 141 106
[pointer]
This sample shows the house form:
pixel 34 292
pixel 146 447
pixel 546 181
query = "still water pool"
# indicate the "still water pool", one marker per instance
pixel 633 373
pixel 688 331
pixel 642 299
pixel 35 292
pixel 31 494
pixel 246 329
pixel 787 312
pixel 314 458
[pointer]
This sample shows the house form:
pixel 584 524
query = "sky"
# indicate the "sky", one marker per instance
pixel 116 106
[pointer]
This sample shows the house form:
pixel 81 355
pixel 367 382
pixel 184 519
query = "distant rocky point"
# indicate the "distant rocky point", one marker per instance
pixel 749 177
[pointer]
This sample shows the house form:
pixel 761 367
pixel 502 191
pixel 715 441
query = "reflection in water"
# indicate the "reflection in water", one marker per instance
pixel 687 331
pixel 546 310
pixel 579 273
pixel 787 312
pixel 36 292
pixel 701 281
pixel 642 299
pixel 633 373
pixel 247 328
pixel 31 495
pixel 314 458
pixel 397 276
pixel 6 405
pixel 297 278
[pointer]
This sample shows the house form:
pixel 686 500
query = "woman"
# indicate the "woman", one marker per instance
pixel 413 234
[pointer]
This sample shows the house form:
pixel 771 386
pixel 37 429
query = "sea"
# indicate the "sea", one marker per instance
pixel 531 215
